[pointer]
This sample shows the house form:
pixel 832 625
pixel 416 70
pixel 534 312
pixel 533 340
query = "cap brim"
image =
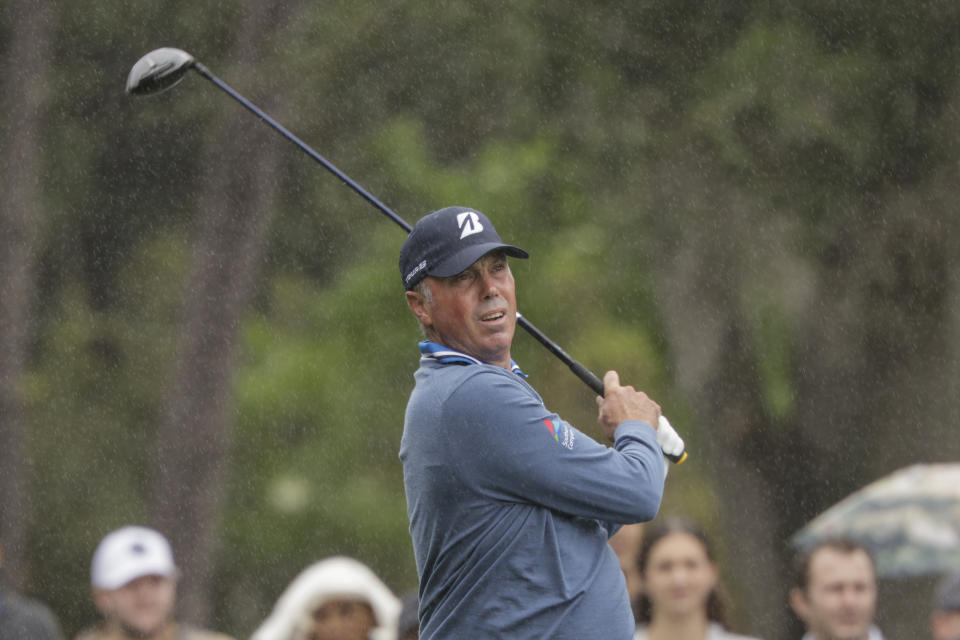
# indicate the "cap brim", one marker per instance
pixel 127 574
pixel 460 261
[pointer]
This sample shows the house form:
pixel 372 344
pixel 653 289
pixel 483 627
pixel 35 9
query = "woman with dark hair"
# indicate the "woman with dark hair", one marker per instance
pixel 679 576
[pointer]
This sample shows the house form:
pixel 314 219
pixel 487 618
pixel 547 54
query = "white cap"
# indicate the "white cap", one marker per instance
pixel 130 553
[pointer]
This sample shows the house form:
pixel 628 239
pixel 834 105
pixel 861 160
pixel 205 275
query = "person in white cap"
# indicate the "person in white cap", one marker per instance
pixel 134 582
pixel 335 599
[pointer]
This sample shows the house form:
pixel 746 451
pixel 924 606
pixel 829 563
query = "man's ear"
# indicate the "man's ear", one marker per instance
pixel 103 601
pixel 798 602
pixel 418 305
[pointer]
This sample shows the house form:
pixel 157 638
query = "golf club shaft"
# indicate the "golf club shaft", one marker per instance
pixel 578 369
pixel 366 195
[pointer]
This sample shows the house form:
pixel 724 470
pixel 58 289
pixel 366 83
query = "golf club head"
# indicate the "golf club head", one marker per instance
pixel 158 71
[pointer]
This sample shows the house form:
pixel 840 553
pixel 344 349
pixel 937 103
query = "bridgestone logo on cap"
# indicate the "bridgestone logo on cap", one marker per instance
pixel 469 224
pixel 420 267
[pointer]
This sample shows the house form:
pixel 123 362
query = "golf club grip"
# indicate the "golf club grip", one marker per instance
pixel 587 376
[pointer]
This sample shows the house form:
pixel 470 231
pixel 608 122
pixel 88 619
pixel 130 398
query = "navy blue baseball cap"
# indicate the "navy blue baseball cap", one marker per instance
pixel 445 242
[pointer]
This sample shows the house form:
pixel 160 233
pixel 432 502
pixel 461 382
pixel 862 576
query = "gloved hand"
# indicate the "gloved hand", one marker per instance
pixel 669 440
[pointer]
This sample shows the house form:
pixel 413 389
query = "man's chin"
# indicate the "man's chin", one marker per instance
pixel 498 344
pixel 850 632
pixel 143 631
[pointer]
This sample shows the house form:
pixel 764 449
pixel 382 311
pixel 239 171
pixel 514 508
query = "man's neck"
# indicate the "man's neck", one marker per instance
pixel 507 364
pixel 119 629
pixel 872 633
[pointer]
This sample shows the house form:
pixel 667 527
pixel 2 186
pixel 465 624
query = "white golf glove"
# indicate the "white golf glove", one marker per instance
pixel 669 440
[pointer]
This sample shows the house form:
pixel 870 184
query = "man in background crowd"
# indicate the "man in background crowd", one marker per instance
pixel 24 619
pixel 836 592
pixel 134 583
pixel 945 616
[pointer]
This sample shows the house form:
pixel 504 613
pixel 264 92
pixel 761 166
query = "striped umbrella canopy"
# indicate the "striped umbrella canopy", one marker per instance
pixel 909 520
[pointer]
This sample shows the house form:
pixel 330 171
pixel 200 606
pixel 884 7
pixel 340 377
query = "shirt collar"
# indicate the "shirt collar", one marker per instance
pixel 445 355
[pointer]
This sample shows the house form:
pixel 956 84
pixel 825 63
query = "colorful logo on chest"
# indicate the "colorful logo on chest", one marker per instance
pixel 553 429
pixel 561 432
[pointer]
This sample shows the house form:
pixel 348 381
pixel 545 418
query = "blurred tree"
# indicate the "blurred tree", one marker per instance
pixel 23 98
pixel 192 441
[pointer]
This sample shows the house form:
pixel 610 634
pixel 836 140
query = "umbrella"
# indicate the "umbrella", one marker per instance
pixel 909 520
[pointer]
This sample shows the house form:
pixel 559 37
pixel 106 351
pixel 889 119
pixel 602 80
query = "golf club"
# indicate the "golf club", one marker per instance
pixel 163 68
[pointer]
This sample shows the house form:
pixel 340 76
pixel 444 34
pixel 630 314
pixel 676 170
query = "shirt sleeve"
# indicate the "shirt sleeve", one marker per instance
pixel 511 448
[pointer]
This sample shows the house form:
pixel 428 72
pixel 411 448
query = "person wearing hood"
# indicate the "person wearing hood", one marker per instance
pixel 338 598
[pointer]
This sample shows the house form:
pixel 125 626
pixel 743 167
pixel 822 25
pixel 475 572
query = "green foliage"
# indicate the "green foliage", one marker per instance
pixel 94 395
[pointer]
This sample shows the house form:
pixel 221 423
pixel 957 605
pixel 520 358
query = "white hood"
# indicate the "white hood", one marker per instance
pixel 334 578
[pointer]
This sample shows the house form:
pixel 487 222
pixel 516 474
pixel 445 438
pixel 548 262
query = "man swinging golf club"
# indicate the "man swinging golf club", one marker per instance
pixel 510 506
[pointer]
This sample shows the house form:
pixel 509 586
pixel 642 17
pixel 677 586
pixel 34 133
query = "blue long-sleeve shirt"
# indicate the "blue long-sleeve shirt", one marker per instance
pixel 510 507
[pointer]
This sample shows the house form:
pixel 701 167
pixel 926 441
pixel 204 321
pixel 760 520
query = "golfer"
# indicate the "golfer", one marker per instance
pixel 510 506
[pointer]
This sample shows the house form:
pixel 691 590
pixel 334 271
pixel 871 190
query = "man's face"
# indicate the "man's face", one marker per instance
pixel 945 625
pixel 141 606
pixel 841 595
pixel 474 312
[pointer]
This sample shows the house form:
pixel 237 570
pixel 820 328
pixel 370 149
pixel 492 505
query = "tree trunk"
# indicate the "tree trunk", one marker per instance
pixel 701 274
pixel 194 438
pixel 23 98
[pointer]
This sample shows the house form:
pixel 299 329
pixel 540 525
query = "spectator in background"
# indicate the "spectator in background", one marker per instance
pixel 945 616
pixel 335 599
pixel 135 587
pixel 408 625
pixel 836 591
pixel 679 579
pixel 626 544
pixel 24 619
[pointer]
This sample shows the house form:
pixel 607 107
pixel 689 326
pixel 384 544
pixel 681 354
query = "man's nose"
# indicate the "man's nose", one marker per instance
pixel 851 597
pixel 490 287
